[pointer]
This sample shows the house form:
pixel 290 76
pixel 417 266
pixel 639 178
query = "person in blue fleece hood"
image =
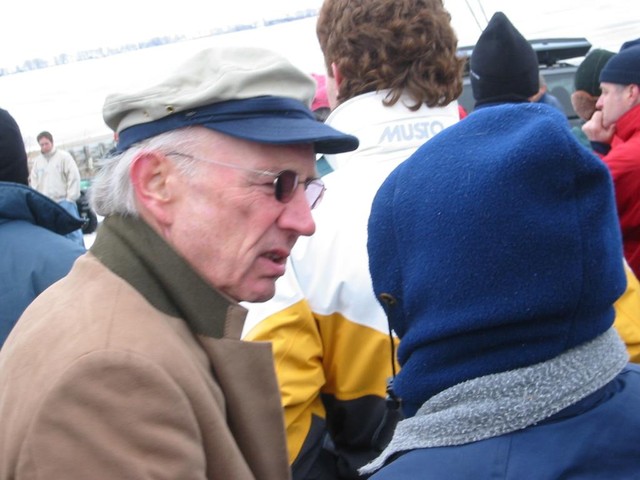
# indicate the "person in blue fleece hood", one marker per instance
pixel 498 260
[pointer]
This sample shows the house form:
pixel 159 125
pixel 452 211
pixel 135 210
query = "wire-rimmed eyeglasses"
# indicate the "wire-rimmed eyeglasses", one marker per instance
pixel 284 182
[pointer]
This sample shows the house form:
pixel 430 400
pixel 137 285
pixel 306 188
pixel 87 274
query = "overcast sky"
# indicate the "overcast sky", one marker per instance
pixel 35 28
pixel 38 28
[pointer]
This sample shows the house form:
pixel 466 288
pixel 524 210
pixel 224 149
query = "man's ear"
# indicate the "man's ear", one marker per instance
pixel 634 94
pixel 151 175
pixel 336 74
pixel 334 80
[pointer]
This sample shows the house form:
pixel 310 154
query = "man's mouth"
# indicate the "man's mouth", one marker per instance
pixel 277 257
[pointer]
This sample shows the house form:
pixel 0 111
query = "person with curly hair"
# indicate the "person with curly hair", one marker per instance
pixel 393 76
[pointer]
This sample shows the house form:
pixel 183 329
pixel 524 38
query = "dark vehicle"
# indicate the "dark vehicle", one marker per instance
pixel 85 156
pixel 84 209
pixel 558 74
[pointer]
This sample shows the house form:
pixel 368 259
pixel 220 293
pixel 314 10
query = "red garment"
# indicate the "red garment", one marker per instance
pixel 320 100
pixel 624 163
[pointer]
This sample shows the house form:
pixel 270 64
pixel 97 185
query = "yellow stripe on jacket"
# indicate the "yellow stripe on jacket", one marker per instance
pixel 306 348
pixel 627 321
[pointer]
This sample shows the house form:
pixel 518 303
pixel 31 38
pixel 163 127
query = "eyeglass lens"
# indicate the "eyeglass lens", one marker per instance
pixel 314 192
pixel 286 183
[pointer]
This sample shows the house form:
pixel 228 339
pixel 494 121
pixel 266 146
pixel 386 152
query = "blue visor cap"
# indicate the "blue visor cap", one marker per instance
pixel 272 120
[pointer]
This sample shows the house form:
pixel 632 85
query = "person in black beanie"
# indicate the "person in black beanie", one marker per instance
pixel 587 82
pixel 35 252
pixel 503 65
pixel 587 89
pixel 496 253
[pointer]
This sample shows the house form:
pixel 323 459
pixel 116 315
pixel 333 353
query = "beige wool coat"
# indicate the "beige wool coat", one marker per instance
pixel 137 374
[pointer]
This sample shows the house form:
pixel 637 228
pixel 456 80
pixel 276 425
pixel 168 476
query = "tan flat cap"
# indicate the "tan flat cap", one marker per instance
pixel 246 92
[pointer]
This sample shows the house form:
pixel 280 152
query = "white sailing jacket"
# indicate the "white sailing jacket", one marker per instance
pixel 330 336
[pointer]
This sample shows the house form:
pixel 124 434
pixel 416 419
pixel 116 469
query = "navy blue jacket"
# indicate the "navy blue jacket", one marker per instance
pixel 597 438
pixel 34 252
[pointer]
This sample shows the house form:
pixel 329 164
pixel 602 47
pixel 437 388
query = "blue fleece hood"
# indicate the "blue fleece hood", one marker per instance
pixel 495 246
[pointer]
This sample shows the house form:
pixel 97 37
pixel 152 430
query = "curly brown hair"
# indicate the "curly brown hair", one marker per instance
pixel 406 46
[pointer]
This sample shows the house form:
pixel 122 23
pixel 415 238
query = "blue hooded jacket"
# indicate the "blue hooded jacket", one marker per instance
pixel 35 252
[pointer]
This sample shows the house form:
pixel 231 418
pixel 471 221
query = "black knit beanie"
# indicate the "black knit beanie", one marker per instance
pixel 13 156
pixel 503 65
pixel 588 73
pixel 587 82
pixel 624 67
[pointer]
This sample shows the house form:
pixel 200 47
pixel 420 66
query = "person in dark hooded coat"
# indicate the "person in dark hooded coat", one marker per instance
pixel 35 251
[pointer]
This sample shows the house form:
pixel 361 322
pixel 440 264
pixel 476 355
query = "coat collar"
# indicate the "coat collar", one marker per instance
pixel 20 202
pixel 502 403
pixel 131 249
pixel 134 251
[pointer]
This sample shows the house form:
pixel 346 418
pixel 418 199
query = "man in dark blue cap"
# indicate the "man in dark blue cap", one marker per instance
pixel 614 132
pixel 144 374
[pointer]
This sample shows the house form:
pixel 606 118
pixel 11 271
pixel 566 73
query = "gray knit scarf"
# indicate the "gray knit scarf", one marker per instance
pixel 498 404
